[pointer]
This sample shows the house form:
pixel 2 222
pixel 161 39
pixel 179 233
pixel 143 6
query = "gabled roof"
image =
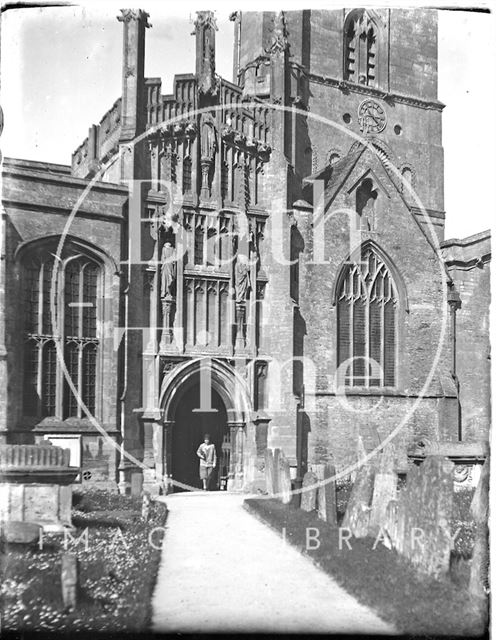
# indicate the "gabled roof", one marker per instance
pixel 335 177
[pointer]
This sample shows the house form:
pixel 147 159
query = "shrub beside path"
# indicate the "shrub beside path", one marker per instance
pixel 222 570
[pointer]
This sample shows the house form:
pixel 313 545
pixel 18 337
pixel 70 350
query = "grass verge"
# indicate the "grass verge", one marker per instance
pixel 378 578
pixel 117 569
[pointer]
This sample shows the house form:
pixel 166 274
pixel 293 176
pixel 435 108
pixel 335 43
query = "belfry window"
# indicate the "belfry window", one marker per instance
pixel 60 309
pixel 367 304
pixel 360 49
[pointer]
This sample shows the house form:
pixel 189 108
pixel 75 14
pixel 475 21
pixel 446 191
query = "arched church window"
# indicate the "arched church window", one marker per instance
pixel 199 240
pixel 187 184
pixel 360 48
pixel 367 303
pixel 60 307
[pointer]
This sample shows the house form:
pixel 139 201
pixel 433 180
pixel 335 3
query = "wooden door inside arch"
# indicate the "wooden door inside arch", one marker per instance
pixel 190 427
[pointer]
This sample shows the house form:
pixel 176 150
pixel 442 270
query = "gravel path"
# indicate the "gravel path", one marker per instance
pixel 223 570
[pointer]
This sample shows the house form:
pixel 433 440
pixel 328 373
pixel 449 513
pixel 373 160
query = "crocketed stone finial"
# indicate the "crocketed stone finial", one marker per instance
pixel 205 28
pixel 134 14
pixel 280 41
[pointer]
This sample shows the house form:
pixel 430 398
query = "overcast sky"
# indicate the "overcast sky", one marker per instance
pixel 61 71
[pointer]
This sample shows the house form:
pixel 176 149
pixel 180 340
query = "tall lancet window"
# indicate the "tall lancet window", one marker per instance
pixel 367 303
pixel 360 48
pixel 60 307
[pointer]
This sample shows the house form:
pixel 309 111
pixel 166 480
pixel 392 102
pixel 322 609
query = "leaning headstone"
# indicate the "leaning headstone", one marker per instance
pixel 326 493
pixel 269 472
pixel 390 526
pixel 408 507
pixel 284 479
pixel 385 489
pixel 356 518
pixel 275 469
pixel 136 484
pixel 360 454
pixel 70 576
pixel 145 507
pixel 431 506
pixel 309 493
pixel 479 568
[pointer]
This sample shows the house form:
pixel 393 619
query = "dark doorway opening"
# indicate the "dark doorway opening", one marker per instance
pixel 190 426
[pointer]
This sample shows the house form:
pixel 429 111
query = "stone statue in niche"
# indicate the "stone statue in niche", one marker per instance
pixel 208 142
pixel 253 248
pixel 242 278
pixel 208 149
pixel 169 271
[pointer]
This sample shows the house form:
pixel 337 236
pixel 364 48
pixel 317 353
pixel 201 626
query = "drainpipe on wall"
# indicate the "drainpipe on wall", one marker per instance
pixel 455 303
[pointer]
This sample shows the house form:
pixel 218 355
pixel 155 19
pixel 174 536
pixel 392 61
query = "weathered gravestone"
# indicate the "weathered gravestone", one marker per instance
pixel 405 514
pixel 269 472
pixel 145 507
pixel 284 479
pixel 427 528
pixel 70 577
pixel 390 526
pixel 356 518
pixel 275 470
pixel 360 454
pixel 479 569
pixel 136 484
pixel 326 493
pixel 309 492
pixel 385 489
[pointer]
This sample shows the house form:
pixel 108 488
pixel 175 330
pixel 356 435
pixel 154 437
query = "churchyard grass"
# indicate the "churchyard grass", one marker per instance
pixel 381 579
pixel 117 570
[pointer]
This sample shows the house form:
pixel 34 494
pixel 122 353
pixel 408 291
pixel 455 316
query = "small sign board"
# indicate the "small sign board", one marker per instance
pixel 71 442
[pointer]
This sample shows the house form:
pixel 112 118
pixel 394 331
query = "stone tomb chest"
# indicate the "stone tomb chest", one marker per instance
pixel 35 485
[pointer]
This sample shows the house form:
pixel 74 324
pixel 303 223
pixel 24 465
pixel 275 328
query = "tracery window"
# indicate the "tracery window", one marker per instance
pixel 360 48
pixel 367 302
pixel 73 290
pixel 187 175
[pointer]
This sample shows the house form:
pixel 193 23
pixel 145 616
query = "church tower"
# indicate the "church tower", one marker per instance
pixel 360 163
pixel 366 72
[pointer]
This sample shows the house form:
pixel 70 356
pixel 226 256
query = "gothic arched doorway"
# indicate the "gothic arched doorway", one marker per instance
pixel 219 389
pixel 190 425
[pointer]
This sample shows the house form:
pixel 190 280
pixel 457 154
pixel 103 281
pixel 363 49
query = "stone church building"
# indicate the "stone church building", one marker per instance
pixel 262 259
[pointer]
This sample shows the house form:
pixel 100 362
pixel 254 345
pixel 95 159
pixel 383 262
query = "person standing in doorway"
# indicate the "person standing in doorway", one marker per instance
pixel 208 460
